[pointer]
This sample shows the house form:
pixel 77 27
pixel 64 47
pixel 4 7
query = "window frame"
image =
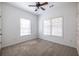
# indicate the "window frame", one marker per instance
pixel 43 27
pixel 51 27
pixel 30 27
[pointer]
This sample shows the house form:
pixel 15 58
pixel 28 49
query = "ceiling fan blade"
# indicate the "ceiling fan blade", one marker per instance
pixel 32 5
pixel 42 8
pixel 36 9
pixel 37 2
pixel 45 3
pixel 51 6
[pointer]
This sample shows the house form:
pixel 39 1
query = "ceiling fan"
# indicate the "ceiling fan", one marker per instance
pixel 39 5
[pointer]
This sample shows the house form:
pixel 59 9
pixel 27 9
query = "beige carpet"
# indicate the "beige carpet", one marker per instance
pixel 39 47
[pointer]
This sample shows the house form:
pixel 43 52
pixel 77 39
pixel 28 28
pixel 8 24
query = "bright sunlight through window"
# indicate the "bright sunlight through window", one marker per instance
pixel 25 27
pixel 53 27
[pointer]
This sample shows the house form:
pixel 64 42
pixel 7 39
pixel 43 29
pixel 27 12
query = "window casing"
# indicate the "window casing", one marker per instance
pixel 25 27
pixel 53 27
pixel 46 28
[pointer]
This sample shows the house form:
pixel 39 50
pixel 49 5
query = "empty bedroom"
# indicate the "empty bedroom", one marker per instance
pixel 39 28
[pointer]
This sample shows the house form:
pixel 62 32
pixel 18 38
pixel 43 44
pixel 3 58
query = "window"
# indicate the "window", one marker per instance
pixel 53 27
pixel 47 27
pixel 25 27
pixel 57 27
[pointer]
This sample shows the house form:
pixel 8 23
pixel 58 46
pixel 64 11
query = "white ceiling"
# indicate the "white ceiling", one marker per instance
pixel 24 6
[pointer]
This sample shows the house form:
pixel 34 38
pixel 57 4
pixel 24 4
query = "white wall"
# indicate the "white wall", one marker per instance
pixel 11 25
pixel 68 12
pixel 0 26
pixel 0 8
pixel 78 27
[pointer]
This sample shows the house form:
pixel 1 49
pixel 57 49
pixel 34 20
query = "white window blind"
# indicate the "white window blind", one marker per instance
pixel 53 26
pixel 57 27
pixel 47 27
pixel 25 27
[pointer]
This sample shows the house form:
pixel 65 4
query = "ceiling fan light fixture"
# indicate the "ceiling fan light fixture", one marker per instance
pixel 39 5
